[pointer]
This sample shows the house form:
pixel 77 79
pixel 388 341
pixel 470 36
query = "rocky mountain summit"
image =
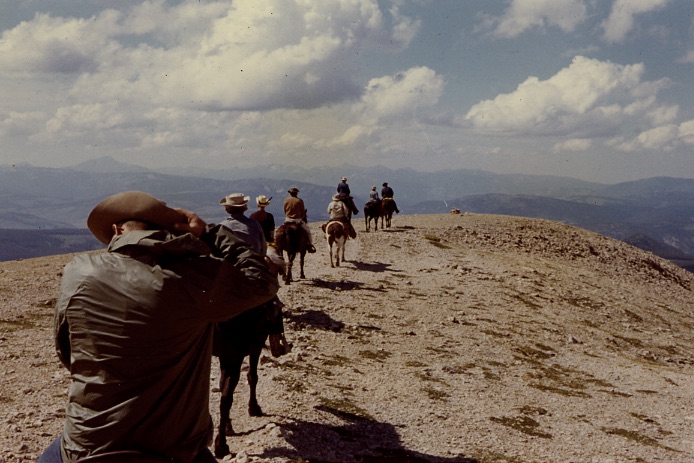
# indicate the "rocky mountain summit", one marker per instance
pixel 447 338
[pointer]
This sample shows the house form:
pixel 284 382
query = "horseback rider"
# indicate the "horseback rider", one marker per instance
pixel 346 197
pixel 244 227
pixel 387 193
pixel 295 212
pixel 266 220
pixel 373 194
pixel 338 212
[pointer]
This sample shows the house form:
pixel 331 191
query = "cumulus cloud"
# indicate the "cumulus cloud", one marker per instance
pixel 573 144
pixel 247 55
pixel 623 16
pixel 523 15
pixel 587 98
pixel 386 101
pixel 665 137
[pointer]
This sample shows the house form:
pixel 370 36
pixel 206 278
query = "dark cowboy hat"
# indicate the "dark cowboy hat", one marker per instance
pixel 131 205
pixel 293 190
pixel 385 183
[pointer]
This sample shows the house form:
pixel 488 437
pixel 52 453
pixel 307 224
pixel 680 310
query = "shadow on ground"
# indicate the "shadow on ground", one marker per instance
pixel 359 439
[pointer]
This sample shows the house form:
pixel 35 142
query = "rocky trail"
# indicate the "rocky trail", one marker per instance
pixel 446 338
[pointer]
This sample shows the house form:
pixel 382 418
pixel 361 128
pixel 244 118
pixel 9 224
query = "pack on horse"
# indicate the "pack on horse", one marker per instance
pixel 292 239
pixel 245 336
pixel 372 211
pixel 387 209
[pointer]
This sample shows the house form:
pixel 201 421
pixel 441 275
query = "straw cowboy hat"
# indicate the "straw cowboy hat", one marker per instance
pixel 336 197
pixel 344 179
pixel 262 200
pixel 235 200
pixel 131 205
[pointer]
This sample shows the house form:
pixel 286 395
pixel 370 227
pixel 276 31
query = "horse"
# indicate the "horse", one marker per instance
pixel 349 202
pixel 233 340
pixel 387 209
pixel 372 210
pixel 291 238
pixel 336 234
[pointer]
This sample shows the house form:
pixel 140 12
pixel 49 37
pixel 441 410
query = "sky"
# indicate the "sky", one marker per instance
pixel 599 90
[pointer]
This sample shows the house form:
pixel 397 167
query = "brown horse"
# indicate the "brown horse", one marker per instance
pixel 387 209
pixel 244 336
pixel 372 211
pixel 292 239
pixel 336 233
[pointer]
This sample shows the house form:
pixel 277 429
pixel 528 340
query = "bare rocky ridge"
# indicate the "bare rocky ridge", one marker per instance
pixel 448 338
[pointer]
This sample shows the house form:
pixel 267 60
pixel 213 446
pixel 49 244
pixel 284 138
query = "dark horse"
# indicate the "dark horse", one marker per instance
pixel 349 202
pixel 387 209
pixel 244 336
pixel 292 239
pixel 372 210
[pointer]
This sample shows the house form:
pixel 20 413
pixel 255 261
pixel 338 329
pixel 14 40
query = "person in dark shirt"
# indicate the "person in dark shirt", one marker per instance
pixel 387 192
pixel 264 218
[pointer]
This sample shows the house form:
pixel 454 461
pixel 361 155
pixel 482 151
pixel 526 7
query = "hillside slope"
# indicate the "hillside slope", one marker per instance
pixel 449 338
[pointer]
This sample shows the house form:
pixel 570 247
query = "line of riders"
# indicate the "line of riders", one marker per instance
pixel 340 209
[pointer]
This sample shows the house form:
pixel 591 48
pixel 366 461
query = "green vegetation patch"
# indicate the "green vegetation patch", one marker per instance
pixel 291 384
pixel 375 355
pixel 435 394
pixel 16 324
pixel 636 437
pixel 523 424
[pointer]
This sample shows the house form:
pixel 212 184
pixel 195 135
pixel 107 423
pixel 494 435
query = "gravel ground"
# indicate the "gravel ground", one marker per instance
pixel 446 338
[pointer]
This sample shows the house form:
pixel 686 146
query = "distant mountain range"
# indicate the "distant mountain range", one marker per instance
pixel 656 214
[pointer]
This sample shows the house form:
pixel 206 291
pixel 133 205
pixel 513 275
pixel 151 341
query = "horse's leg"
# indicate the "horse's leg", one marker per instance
pixel 330 252
pixel 288 272
pixel 344 244
pixel 253 358
pixel 230 371
pixel 302 254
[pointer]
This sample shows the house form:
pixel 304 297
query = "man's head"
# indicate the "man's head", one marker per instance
pixel 262 201
pixel 131 210
pixel 385 183
pixel 344 179
pixel 373 188
pixel 235 203
pixel 293 191
pixel 336 197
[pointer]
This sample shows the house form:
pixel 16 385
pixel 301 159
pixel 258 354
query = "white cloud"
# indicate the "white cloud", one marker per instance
pixel 665 137
pixel 523 15
pixel 397 97
pixel 588 98
pixel 687 58
pixel 622 17
pixel 245 55
pixel 573 144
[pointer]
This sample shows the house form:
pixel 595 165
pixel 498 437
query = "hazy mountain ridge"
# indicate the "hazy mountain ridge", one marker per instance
pixel 36 198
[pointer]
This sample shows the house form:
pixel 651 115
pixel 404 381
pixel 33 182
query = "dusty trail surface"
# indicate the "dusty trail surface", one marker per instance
pixel 450 338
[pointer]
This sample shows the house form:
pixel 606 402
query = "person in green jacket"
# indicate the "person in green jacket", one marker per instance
pixel 134 325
